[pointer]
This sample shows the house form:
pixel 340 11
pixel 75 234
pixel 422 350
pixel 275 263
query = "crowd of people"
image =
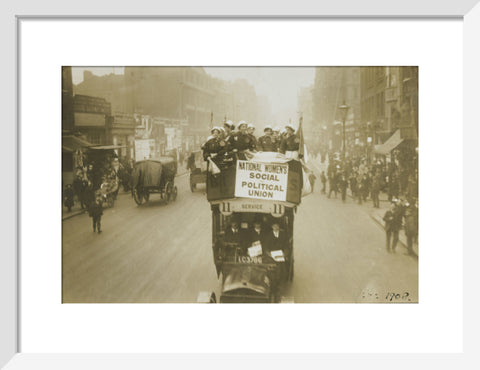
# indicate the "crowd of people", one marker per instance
pixel 94 182
pixel 226 141
pixel 366 182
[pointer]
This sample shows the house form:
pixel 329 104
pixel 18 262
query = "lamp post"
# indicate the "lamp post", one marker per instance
pixel 344 110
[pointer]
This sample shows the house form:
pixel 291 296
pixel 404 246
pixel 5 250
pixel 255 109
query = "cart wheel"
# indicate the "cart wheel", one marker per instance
pixel 137 196
pixel 174 193
pixel 168 192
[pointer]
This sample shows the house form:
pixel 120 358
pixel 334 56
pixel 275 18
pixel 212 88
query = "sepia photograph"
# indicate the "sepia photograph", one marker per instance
pixel 240 184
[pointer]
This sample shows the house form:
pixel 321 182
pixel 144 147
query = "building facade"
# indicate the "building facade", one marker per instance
pixel 187 97
pixel 93 119
pixel 334 86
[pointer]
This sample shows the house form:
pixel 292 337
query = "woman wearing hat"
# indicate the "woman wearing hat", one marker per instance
pixel 240 140
pixel 253 139
pixel 268 142
pixel 291 143
pixel 212 145
pixel 229 127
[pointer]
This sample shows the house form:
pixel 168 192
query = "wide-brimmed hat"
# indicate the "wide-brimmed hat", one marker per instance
pixel 242 123
pixel 229 124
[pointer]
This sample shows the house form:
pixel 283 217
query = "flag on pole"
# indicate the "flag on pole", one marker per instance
pixel 211 120
pixel 301 148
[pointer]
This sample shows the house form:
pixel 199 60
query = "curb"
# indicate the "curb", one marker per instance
pixel 400 241
pixel 73 214
pixel 82 211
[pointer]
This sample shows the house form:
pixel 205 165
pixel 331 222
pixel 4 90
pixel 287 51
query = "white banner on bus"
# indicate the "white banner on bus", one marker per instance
pixel 261 180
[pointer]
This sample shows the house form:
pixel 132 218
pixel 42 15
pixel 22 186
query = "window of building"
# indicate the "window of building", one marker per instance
pixel 94 138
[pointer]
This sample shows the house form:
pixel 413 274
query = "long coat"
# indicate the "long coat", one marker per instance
pixel 411 221
pixel 275 244
pixel 95 210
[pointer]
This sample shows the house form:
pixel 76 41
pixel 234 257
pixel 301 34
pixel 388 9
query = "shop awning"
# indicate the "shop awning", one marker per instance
pixel 72 143
pixel 107 147
pixel 392 142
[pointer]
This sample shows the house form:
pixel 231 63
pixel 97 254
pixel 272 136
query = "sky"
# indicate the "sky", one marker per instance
pixel 279 84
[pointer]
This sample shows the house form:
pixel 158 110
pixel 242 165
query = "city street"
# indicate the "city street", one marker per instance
pixel 162 253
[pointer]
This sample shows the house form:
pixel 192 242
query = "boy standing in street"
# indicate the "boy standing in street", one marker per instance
pixel 95 212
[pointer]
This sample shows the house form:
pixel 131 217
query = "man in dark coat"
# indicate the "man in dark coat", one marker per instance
pixel 85 196
pixel 323 178
pixel 257 233
pixel 393 224
pixel 376 185
pixel 332 179
pixel 78 187
pixel 343 184
pixel 234 234
pixel 276 240
pixel 411 225
pixel 365 186
pixel 95 212
pixel 191 162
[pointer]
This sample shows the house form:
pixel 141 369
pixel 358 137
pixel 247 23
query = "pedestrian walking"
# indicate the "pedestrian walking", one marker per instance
pixel 395 224
pixel 359 187
pixel 411 225
pixel 389 227
pixel 365 186
pixel 333 185
pixel 376 185
pixel 95 211
pixel 191 162
pixel 393 186
pixel 78 186
pixel 343 184
pixel 88 194
pixel 323 178
pixel 353 183
pixel 68 197
pixel 311 179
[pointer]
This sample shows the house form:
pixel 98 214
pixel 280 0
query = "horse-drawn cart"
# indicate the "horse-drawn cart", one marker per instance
pixel 152 176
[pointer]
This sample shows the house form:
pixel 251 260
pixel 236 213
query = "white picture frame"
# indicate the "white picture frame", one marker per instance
pixel 13 12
